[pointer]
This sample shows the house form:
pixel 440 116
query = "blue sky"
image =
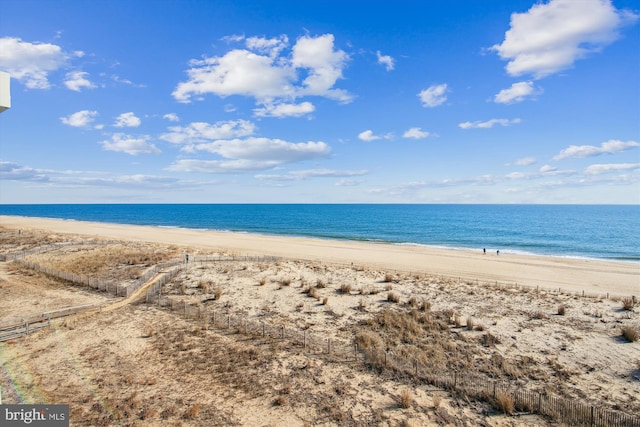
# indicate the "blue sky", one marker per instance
pixel 314 102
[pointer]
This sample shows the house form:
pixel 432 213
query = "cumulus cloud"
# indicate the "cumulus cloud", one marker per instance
pixel 488 124
pixel 172 117
pixel 262 71
pixel 197 132
pixel 250 155
pixel 434 95
pixel 547 169
pixel 518 92
pixel 285 110
pixel 80 119
pixel 123 143
pixel 127 120
pixel 386 60
pixel 31 63
pixel 608 147
pixel 76 80
pixel 598 169
pixel 415 133
pixel 368 136
pixel 551 36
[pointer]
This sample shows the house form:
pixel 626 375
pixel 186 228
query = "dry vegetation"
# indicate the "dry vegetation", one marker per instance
pixel 144 366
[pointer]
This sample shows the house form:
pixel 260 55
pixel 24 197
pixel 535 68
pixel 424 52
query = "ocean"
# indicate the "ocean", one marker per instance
pixel 610 232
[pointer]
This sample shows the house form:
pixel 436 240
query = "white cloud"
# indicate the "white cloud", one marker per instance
pixel 265 149
pixel 608 147
pixel 547 169
pixel 272 47
pixel 368 136
pixel 516 93
pixel 80 119
pixel 551 36
pixel 488 124
pixel 385 60
pixel 598 169
pixel 127 120
pixel 128 144
pixel 312 173
pixel 270 76
pixel 433 95
pixel 415 133
pixel 75 178
pixel 76 80
pixel 172 117
pixel 525 161
pixel 285 110
pixel 250 155
pixel 202 132
pixel 30 63
pixel 13 172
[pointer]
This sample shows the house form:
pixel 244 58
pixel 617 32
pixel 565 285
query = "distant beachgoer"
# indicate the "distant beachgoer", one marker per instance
pixel 498 252
pixel 186 258
pixel 484 251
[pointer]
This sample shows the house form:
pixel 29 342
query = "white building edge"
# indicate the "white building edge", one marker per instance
pixel 5 93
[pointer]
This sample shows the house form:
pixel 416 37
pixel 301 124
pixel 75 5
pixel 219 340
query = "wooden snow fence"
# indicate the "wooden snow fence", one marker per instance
pixel 21 326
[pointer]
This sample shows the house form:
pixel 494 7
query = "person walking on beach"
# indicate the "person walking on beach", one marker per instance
pixel 484 251
pixel 498 252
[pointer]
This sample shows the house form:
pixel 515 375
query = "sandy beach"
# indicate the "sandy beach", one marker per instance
pixel 574 275
pixel 521 321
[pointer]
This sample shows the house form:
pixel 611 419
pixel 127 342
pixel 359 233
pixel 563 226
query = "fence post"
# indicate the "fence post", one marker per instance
pixel 282 332
pixel 385 359
pixel 355 351
pixel 228 321
pixel 262 329
pixel 329 346
pixel 26 325
pixel 455 379
pixel 591 423
pixel 304 339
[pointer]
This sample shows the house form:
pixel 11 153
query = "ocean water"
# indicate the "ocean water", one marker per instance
pixel 590 231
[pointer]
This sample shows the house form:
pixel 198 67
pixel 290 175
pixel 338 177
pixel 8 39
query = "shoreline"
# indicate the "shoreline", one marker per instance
pixel 593 276
pixel 504 251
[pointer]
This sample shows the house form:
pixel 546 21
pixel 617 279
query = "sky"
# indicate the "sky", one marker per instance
pixel 233 101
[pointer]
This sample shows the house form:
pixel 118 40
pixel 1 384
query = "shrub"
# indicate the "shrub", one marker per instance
pixel 470 323
pixel 630 333
pixel 320 284
pixel 562 310
pixel 285 282
pixel 628 303
pixel 313 292
pixel 425 306
pixel 262 281
pixel 489 340
pixel 325 300
pixel 413 301
pixel 280 401
pixel 436 401
pixel 505 403
pixel 345 288
pixel 217 294
pixel 192 412
pixel 393 297
pixel 405 399
pixel 388 278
